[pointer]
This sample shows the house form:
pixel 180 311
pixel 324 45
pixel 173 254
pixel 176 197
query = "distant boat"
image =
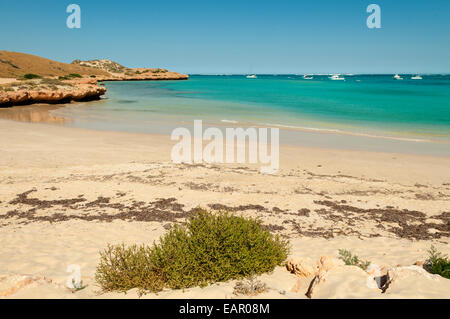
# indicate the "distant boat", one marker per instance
pixel 253 76
pixel 335 77
pixel 306 77
pixel 417 77
pixel 398 77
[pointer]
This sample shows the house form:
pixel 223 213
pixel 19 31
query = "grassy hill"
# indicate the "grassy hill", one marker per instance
pixel 14 65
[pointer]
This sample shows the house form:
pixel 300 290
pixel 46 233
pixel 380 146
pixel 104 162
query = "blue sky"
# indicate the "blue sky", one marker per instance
pixel 258 36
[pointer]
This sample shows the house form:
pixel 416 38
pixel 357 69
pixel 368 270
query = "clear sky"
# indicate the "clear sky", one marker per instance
pixel 237 36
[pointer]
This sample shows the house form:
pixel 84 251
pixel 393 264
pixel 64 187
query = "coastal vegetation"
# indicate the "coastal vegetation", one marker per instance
pixel 250 287
pixel 160 71
pixel 209 248
pixel 437 263
pixel 31 76
pixel 70 76
pixel 352 260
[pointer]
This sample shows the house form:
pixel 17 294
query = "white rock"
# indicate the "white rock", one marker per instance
pixel 416 282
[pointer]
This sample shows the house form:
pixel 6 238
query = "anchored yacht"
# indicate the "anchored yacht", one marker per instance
pixel 336 77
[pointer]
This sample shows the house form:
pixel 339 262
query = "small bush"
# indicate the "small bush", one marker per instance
pixel 123 268
pixel 160 71
pixel 437 263
pixel 70 76
pixel 251 287
pixel 93 76
pixel 31 76
pixel 351 260
pixel 210 248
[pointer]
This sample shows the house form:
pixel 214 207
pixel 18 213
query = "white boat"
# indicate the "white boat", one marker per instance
pixel 417 77
pixel 306 77
pixel 335 77
pixel 253 76
pixel 398 77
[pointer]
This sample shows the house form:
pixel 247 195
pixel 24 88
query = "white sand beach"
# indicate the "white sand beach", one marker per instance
pixel 65 193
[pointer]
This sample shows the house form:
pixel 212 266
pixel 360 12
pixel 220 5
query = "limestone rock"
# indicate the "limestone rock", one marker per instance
pixel 79 92
pixel 302 266
pixel 415 282
pixel 343 282
pixel 327 262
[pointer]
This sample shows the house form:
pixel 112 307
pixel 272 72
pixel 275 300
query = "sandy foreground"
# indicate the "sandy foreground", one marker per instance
pixel 65 193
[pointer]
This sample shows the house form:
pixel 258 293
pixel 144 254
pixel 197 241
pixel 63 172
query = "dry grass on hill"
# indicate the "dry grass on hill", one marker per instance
pixel 14 64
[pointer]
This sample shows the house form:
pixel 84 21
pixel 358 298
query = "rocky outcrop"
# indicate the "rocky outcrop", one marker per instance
pixel 118 72
pixel 343 282
pixel 306 267
pixel 39 80
pixel 309 273
pixel 79 92
pixel 302 267
pixel 331 278
pixel 415 282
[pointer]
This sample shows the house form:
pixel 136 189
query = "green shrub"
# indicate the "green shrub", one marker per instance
pixel 75 75
pixel 437 263
pixel 123 268
pixel 93 76
pixel 351 260
pixel 160 71
pixel 30 76
pixel 209 248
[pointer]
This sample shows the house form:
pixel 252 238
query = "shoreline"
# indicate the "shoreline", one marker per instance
pixel 301 137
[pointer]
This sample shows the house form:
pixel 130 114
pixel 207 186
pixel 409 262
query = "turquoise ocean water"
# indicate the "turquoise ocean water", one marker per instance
pixel 361 106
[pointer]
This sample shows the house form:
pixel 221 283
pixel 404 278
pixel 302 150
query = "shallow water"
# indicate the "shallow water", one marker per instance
pixel 360 108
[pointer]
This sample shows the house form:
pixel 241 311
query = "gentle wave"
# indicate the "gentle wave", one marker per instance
pixel 229 121
pixel 327 130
